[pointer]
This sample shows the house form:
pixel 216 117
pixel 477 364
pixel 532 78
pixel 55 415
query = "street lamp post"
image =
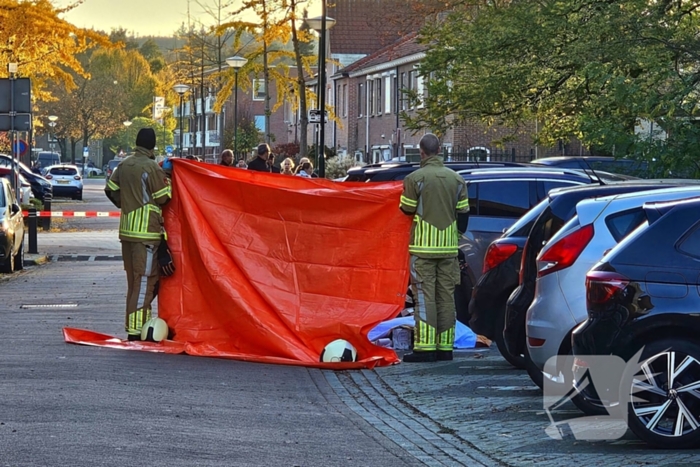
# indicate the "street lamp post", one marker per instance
pixel 236 63
pixel 321 24
pixel 52 124
pixel 181 89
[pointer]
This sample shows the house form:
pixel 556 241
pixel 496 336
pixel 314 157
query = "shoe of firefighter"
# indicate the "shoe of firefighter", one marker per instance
pixel 417 357
pixel 443 355
pixel 133 337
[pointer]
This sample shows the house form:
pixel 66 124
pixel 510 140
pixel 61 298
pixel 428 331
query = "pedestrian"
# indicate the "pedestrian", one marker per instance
pixel 139 188
pixel 437 199
pixel 260 163
pixel 306 159
pixel 271 164
pixel 305 170
pixel 226 158
pixel 288 166
pixel 241 164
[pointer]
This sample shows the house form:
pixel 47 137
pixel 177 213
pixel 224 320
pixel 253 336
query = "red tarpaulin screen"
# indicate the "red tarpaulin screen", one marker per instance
pixel 271 268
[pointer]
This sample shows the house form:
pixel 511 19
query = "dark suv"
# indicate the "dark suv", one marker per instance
pixel 643 300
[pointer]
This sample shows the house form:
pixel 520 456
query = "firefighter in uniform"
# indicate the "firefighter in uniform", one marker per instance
pixel 139 187
pixel 437 198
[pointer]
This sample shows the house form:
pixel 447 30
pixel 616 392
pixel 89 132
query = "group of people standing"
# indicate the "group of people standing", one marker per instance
pixel 265 162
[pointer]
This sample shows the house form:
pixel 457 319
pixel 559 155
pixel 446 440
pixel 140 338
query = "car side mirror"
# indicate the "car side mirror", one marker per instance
pixel 15 209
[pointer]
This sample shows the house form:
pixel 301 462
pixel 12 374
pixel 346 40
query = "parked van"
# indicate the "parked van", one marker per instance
pixel 47 159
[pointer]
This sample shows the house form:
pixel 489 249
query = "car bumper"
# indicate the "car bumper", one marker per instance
pixel 549 318
pixel 66 190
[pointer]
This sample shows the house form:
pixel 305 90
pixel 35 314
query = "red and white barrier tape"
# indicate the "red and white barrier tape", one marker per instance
pixel 73 213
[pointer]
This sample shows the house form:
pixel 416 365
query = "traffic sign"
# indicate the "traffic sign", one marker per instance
pixel 315 116
pixel 21 147
pixel 86 152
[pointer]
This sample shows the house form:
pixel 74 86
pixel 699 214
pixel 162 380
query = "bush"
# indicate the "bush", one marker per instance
pixel 337 167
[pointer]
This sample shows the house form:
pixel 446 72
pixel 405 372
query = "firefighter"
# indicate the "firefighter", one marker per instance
pixel 139 187
pixel 437 198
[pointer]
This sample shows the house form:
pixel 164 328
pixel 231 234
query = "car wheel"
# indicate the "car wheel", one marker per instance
pixel 661 391
pixel 19 258
pixel 79 196
pixel 518 361
pixel 9 265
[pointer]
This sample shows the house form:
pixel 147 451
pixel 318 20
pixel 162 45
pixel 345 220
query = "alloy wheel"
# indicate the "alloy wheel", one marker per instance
pixel 665 394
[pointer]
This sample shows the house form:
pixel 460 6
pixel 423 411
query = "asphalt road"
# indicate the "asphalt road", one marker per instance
pixel 94 199
pixel 68 405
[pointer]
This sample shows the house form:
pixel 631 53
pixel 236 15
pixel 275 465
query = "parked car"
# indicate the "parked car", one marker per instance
pixel 597 163
pixel 25 189
pixel 643 297
pixel 47 159
pixel 506 270
pixel 11 230
pixel 66 181
pixel 89 170
pixel 392 171
pixel 111 165
pixel 41 188
pixel 559 304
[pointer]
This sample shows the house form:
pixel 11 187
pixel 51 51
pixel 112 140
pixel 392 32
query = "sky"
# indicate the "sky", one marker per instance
pixel 140 17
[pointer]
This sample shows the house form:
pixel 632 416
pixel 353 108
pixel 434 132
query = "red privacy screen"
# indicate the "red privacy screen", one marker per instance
pixel 271 268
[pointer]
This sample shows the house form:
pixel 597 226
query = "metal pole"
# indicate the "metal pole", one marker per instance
pixel 181 110
pixel 322 91
pixel 235 117
pixel 33 231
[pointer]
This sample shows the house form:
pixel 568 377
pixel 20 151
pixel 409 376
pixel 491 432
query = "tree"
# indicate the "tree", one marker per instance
pixel 44 46
pixel 590 69
pixel 126 137
pixel 119 86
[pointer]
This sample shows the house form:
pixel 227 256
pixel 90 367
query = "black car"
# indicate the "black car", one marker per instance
pixel 504 294
pixel 643 298
pixel 41 188
pixel 391 171
pixel 11 230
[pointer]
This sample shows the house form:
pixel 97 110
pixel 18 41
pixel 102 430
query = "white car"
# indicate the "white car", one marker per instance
pixel 65 180
pixel 87 171
pixel 560 295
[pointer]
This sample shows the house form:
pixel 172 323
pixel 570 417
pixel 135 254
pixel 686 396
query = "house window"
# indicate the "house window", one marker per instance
pixel 420 90
pixel 411 85
pixel 370 97
pixel 259 92
pixel 344 95
pixel 404 88
pixel 360 98
pixel 387 94
pixel 260 123
pixel 395 96
pixel 378 92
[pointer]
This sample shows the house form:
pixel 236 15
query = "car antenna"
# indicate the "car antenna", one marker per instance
pixel 600 180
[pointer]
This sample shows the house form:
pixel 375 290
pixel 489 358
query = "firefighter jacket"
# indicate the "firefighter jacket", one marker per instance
pixel 434 194
pixel 139 187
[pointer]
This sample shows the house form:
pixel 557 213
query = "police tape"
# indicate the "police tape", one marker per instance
pixel 73 214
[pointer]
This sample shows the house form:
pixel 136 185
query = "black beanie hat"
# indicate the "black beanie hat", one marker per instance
pixel 146 138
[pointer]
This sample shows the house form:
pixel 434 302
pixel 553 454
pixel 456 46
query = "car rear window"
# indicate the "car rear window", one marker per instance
pixel 68 171
pixel 622 223
pixel 690 245
pixel 2 195
pixel 504 198
pixel 523 226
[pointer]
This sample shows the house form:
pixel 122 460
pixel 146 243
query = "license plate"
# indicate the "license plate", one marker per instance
pixel 63 182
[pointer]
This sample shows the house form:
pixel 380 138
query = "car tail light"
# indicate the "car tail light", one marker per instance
pixel 496 254
pixel 76 177
pixel 601 286
pixel 566 251
pixel 49 176
pixel 535 342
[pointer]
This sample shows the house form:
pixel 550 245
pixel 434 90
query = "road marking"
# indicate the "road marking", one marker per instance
pixel 510 388
pixel 50 305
